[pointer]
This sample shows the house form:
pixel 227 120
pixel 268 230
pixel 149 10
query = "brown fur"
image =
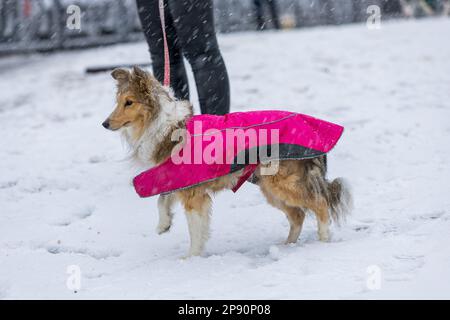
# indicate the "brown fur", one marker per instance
pixel 297 187
pixel 134 87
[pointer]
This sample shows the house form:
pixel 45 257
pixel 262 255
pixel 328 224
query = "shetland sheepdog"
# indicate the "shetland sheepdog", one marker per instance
pixel 147 114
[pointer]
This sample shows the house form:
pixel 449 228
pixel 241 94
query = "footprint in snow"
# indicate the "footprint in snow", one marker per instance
pixel 80 214
pixel 39 184
pixel 62 222
pixel 361 228
pixel 429 216
pixel 405 268
pixel 8 184
pixel 85 212
pixel 98 254
pixel 252 90
pixel 97 159
pixel 94 275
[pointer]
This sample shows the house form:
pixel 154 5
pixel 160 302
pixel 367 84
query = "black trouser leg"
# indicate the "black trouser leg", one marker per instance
pixel 259 14
pixel 274 12
pixel 151 25
pixel 194 23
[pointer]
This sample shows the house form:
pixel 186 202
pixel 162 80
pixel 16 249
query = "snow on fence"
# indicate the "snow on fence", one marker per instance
pixel 30 25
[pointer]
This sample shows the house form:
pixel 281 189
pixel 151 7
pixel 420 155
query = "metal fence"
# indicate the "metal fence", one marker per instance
pixel 30 25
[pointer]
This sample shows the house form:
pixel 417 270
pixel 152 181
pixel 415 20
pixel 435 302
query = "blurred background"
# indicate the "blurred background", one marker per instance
pixel 30 25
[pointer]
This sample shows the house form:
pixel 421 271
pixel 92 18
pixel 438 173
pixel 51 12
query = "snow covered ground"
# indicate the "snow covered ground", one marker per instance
pixel 66 198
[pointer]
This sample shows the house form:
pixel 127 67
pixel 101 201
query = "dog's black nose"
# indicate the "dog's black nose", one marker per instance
pixel 106 124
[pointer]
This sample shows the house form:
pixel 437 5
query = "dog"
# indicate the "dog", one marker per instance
pixel 147 114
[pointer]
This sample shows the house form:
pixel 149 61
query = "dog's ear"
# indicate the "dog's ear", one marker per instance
pixel 140 73
pixel 121 75
pixel 141 81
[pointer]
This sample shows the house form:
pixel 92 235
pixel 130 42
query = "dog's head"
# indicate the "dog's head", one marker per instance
pixel 137 99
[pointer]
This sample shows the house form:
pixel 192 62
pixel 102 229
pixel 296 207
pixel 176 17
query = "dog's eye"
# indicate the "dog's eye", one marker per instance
pixel 128 103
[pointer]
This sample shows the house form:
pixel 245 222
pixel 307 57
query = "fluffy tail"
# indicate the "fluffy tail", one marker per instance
pixel 339 199
pixel 337 193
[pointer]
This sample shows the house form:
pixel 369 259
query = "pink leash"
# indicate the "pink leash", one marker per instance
pixel 166 47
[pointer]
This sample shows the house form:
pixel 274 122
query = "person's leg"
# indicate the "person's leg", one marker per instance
pixel 259 14
pixel 194 24
pixel 274 13
pixel 151 25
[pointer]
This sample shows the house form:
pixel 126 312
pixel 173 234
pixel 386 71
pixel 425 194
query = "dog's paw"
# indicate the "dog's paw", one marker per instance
pixel 187 257
pixel 162 228
pixel 324 236
pixel 192 254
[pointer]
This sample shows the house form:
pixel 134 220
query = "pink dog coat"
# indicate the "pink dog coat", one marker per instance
pixel 215 146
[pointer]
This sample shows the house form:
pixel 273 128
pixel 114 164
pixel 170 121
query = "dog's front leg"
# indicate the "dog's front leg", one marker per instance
pixel 198 207
pixel 165 204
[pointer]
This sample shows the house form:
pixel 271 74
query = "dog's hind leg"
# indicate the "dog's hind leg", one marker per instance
pixel 295 215
pixel 165 204
pixel 197 204
pixel 320 208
